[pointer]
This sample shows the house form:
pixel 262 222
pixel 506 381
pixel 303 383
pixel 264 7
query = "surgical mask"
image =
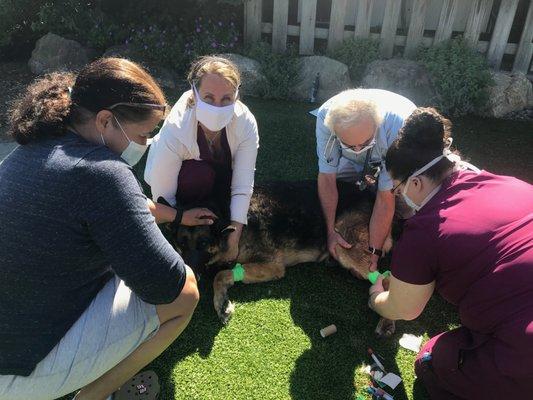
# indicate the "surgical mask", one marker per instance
pixel 134 152
pixel 411 203
pixel 445 153
pixel 212 117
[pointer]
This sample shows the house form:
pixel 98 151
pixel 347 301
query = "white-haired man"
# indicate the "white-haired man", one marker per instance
pixel 353 132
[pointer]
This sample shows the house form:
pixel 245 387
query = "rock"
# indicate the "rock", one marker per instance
pixel 334 78
pixel 53 53
pixel 164 76
pixel 92 54
pixel 250 70
pixel 523 115
pixel 530 96
pixel 405 77
pixel 509 93
pixel 122 51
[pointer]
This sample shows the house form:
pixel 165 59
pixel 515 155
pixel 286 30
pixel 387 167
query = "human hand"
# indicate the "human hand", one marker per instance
pixel 334 239
pixel 373 266
pixel 198 216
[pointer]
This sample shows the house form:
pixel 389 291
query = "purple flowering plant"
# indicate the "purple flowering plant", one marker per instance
pixel 211 36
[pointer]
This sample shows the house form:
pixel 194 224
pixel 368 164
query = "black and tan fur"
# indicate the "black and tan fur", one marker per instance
pixel 285 228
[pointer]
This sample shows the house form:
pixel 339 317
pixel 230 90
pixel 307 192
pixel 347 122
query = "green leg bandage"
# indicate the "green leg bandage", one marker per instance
pixel 238 272
pixel 373 276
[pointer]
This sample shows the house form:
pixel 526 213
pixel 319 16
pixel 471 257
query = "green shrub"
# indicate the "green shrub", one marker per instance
pixel 460 74
pixel 280 70
pixel 16 36
pixel 101 24
pixel 356 53
pixel 159 45
pixel 85 22
pixel 211 36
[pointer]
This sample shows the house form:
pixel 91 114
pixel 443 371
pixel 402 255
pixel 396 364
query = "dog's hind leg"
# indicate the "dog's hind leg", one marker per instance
pixel 253 273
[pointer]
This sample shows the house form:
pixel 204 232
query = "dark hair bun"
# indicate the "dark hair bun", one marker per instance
pixel 422 138
pixel 42 109
pixel 425 130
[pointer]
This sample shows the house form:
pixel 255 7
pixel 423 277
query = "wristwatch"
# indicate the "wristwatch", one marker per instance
pixel 377 252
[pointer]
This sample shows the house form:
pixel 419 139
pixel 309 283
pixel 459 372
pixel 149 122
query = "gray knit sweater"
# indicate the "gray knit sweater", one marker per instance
pixel 72 215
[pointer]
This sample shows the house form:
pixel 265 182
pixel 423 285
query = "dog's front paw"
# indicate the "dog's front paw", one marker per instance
pixel 385 328
pixel 225 311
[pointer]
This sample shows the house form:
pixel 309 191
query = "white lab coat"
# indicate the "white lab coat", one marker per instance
pixel 176 142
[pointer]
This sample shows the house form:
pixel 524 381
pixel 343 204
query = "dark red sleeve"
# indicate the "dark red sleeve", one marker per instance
pixel 414 258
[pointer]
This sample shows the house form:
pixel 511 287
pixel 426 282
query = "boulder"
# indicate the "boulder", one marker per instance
pixel 511 92
pixel 165 77
pixel 334 78
pixel 405 77
pixel 122 51
pixel 250 70
pixel 530 96
pixel 54 53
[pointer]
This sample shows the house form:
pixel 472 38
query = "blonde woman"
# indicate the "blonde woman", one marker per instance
pixel 206 150
pixel 354 129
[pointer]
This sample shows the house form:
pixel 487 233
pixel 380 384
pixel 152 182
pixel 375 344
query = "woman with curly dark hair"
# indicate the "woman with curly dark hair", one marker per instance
pixel 90 290
pixel 471 239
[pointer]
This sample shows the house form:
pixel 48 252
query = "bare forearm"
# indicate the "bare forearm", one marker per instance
pixel 381 304
pixel 238 227
pixel 328 195
pixel 381 220
pixel 161 213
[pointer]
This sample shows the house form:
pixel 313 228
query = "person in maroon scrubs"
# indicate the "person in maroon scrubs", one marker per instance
pixel 471 240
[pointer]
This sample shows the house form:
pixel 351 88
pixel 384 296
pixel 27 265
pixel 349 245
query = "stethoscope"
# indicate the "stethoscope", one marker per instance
pixel 328 150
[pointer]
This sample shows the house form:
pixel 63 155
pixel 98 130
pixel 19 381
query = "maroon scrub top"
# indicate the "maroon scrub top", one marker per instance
pixel 474 238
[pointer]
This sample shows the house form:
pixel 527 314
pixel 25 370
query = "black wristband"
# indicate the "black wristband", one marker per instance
pixel 375 251
pixel 179 211
pixel 179 215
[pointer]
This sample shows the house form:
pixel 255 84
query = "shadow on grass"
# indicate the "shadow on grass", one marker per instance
pixel 320 296
pixel 198 337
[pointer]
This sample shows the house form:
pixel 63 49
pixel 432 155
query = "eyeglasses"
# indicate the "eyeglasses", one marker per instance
pixel 359 148
pixel 395 188
pixel 164 108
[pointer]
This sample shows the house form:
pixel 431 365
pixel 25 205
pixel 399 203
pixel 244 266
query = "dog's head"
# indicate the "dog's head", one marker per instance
pixel 200 245
pixel 353 227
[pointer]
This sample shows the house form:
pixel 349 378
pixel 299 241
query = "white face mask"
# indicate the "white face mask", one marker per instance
pixel 212 117
pixel 445 153
pixel 134 152
pixel 411 203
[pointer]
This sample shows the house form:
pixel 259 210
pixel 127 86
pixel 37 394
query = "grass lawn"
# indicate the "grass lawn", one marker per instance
pixel 272 348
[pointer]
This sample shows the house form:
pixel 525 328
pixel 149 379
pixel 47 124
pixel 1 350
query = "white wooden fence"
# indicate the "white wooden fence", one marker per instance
pixel 451 14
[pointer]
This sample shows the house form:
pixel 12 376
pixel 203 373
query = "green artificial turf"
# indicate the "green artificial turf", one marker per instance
pixel 272 348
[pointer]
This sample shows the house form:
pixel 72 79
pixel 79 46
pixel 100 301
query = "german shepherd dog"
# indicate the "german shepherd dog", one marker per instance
pixel 285 228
